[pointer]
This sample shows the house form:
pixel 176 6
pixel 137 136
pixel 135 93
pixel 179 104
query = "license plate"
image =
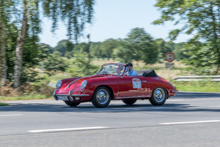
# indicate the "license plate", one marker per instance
pixel 63 98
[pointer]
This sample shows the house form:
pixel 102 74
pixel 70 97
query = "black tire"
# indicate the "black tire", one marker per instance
pixel 129 101
pixel 158 97
pixel 72 104
pixel 101 97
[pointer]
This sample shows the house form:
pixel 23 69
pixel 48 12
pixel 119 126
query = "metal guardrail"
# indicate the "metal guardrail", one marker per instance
pixel 197 78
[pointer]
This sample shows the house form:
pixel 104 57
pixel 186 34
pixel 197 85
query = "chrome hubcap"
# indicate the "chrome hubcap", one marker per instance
pixel 159 94
pixel 102 96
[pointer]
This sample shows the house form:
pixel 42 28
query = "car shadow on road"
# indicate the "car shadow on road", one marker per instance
pixel 112 108
pixel 191 95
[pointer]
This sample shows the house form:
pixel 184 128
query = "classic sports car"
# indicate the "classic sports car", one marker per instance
pixel 113 82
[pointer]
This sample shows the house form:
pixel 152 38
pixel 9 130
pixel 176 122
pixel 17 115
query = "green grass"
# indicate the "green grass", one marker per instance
pixel 3 104
pixel 27 97
pixel 198 86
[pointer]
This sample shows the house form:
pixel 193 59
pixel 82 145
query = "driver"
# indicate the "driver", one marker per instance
pixel 131 71
pixel 118 69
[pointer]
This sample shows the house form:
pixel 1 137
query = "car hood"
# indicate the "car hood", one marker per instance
pixel 76 82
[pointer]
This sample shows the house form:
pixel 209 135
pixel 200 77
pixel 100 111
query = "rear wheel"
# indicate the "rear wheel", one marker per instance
pixel 158 97
pixel 101 97
pixel 72 104
pixel 129 101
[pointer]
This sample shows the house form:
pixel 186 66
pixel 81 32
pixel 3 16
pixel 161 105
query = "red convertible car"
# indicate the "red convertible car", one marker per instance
pixel 113 82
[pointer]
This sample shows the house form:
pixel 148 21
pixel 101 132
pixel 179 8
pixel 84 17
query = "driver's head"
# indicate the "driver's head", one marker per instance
pixel 130 66
pixel 118 69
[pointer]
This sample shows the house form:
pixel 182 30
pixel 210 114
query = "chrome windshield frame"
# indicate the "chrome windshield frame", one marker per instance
pixel 120 64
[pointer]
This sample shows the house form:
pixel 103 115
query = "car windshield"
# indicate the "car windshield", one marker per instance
pixel 115 69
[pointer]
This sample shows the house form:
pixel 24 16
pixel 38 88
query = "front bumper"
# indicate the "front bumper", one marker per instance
pixel 70 96
pixel 173 92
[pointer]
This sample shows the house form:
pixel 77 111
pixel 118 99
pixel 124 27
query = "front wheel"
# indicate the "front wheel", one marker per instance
pixel 72 104
pixel 129 101
pixel 101 97
pixel 158 97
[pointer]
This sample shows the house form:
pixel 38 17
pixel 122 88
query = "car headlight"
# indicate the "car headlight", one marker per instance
pixel 83 84
pixel 59 83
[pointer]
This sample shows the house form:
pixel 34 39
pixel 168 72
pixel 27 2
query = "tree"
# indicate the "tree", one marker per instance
pixel 201 18
pixel 50 49
pixel 5 8
pixel 30 24
pixel 64 46
pixel 107 47
pixel 180 51
pixel 96 50
pixel 123 53
pixel 33 54
pixel 75 12
pixel 54 63
pixel 163 48
pixel 81 47
pixel 142 45
pixel 79 66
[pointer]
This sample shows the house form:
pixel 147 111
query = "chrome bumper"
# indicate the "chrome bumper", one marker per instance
pixel 70 95
pixel 174 91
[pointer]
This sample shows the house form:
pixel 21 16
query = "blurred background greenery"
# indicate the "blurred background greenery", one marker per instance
pixel 34 65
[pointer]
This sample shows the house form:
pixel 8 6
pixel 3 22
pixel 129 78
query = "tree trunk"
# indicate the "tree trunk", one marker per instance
pixel 3 68
pixel 19 48
pixel 215 38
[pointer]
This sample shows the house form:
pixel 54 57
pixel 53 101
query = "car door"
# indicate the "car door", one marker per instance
pixel 132 87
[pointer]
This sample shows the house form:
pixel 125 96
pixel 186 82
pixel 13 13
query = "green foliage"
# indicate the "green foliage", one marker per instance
pixel 123 53
pixel 69 55
pixel 163 48
pixel 54 63
pixel 202 58
pixel 48 47
pixel 75 12
pixel 201 18
pixel 141 46
pixel 79 66
pixel 64 46
pixel 108 46
pixel 32 55
pixel 3 104
pixel 81 47
pixel 180 51
pixel 96 50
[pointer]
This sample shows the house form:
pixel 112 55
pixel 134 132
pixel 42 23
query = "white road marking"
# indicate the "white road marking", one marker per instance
pixel 190 122
pixel 11 115
pixel 214 106
pixel 174 100
pixel 66 129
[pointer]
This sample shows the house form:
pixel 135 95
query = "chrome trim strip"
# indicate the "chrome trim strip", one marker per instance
pixel 72 83
pixel 174 91
pixel 79 95
pixel 132 97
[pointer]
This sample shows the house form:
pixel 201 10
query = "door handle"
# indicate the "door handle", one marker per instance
pixel 144 81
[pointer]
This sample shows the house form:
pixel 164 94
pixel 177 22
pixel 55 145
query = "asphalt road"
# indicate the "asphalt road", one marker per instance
pixel 188 119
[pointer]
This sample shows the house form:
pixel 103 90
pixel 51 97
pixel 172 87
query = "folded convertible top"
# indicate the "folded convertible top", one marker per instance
pixel 149 73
